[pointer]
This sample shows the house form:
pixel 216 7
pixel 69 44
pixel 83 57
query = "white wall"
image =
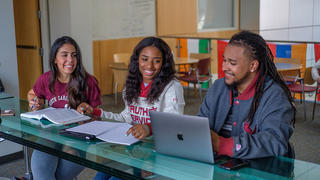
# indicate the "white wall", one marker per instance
pixel 8 54
pixel 86 21
pixel 81 29
pixel 59 18
pixel 294 20
pixel 73 18
pixel 123 18
pixel 45 33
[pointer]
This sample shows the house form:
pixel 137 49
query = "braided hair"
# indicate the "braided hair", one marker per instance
pixel 134 79
pixel 256 48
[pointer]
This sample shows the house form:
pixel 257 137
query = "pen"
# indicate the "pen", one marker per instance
pixel 82 109
pixel 34 99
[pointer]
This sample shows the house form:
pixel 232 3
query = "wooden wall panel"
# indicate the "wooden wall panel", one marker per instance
pixel 96 60
pixel 103 51
pixel 210 35
pixel 176 17
pixel 214 56
pixel 172 44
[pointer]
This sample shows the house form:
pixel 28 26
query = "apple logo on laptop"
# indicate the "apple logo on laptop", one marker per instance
pixel 180 136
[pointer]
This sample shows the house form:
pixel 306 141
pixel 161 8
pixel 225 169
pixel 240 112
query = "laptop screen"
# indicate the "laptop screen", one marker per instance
pixel 182 135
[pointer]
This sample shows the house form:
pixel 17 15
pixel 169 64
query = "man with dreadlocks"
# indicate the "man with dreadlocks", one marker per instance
pixel 250 110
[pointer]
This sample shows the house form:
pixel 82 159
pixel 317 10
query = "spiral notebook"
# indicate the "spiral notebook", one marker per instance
pixel 60 116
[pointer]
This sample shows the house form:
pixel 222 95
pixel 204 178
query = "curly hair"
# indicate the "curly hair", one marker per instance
pixel 134 79
pixel 256 48
pixel 77 85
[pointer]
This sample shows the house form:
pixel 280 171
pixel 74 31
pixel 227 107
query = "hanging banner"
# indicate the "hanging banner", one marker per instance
pixel 221 47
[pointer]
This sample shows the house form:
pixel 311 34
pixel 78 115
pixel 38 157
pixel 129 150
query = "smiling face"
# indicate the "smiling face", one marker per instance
pixel 66 60
pixel 239 70
pixel 150 63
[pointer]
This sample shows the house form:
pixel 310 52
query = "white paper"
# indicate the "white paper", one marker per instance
pixel 118 135
pixel 112 132
pixel 95 127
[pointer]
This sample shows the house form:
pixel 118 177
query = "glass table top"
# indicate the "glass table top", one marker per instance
pixel 138 160
pixel 4 95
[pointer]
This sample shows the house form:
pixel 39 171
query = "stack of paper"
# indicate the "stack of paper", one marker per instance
pixel 57 115
pixel 111 132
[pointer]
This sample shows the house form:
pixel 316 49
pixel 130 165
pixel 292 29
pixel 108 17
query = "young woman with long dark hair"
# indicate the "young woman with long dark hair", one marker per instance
pixel 67 84
pixel 150 86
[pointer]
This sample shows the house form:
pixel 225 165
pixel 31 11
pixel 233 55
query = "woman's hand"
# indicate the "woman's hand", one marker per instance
pixel 84 108
pixel 139 131
pixel 35 103
pixel 215 141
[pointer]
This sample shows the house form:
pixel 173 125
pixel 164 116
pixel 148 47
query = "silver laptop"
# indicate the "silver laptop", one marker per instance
pixel 182 135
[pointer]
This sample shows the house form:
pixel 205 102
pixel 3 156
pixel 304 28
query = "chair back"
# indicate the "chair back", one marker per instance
pixel 203 66
pixel 199 55
pixel 122 58
pixel 308 77
pixel 120 76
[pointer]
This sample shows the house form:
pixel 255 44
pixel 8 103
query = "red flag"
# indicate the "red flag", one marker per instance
pixel 272 48
pixel 221 47
pixel 317 51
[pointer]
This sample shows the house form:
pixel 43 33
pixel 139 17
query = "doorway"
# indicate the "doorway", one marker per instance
pixel 28 41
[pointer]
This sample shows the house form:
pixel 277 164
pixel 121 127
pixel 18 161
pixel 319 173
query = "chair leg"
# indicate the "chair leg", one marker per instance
pixel 200 92
pixel 195 89
pixel 188 89
pixel 314 105
pixel 115 93
pixel 304 103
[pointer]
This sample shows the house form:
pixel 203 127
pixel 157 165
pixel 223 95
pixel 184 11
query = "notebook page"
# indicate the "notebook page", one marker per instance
pixel 64 116
pixel 36 114
pixel 94 127
pixel 118 135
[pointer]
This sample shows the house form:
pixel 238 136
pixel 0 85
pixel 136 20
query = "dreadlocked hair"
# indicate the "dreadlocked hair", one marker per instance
pixel 256 48
pixel 134 78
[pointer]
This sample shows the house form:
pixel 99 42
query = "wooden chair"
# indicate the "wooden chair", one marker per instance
pixel 122 58
pixel 198 75
pixel 195 56
pixel 120 72
pixel 303 87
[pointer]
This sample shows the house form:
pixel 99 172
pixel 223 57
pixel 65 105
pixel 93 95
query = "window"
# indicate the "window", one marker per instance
pixel 217 15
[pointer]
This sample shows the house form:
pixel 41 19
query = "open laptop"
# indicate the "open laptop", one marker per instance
pixel 182 135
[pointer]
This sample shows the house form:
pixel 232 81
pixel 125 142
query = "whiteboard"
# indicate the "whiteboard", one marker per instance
pixel 114 19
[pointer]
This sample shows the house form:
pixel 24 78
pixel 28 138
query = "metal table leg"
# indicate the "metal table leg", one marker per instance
pixel 28 173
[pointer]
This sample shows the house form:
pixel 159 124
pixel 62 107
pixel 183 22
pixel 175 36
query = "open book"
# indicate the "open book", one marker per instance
pixel 112 132
pixel 61 116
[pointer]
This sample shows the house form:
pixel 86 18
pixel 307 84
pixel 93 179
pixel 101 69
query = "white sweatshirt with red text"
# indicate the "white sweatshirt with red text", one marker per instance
pixel 171 100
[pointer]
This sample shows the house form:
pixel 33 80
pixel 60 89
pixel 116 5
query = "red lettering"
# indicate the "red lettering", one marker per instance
pixel 136 110
pixel 131 108
pixel 145 112
pixel 132 117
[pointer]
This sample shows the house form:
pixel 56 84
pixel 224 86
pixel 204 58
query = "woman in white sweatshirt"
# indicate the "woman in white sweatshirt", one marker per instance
pixel 150 86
